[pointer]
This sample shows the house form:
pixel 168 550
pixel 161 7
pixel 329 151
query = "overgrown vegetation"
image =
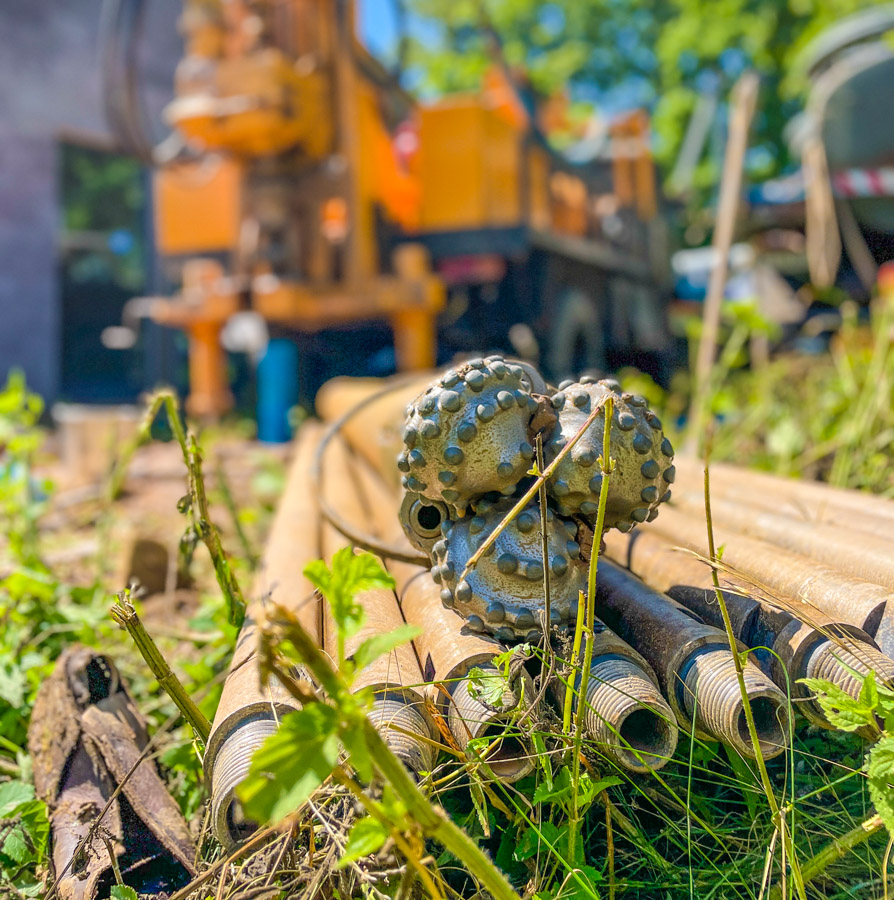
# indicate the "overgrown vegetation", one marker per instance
pixel 824 416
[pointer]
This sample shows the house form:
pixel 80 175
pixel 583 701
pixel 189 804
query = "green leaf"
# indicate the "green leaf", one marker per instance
pixel 13 687
pixel 581 884
pixel 840 709
pixel 488 686
pixel 354 740
pixel 291 764
pixel 35 821
pixel 12 795
pixel 885 698
pixel 880 771
pixel 869 692
pixel 15 846
pixel 588 789
pixel 558 792
pixel 350 574
pixel 367 836
pixel 123 892
pixel 533 838
pixel 380 644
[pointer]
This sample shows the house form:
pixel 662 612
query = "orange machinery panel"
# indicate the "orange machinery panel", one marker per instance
pixel 470 161
pixel 539 204
pixel 198 206
pixel 569 204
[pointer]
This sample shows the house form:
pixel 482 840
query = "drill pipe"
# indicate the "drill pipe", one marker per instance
pixel 807 584
pixel 694 664
pixel 449 651
pixel 784 500
pixel 860 555
pixel 798 648
pixel 398 709
pixel 625 712
pixel 248 711
pixel 824 496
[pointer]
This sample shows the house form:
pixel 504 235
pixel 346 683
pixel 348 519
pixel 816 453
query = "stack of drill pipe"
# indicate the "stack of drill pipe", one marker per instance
pixel 249 712
pixel 375 430
pixel 694 664
pixel 817 648
pixel 813 499
pixel 625 713
pixel 807 584
pixel 448 652
pixel 395 678
pixel 860 555
pixel 804 501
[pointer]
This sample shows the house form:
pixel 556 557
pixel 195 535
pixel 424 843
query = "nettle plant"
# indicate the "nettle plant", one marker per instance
pixel 873 710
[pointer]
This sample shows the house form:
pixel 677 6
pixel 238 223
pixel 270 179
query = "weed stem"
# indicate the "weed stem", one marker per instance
pixel 124 613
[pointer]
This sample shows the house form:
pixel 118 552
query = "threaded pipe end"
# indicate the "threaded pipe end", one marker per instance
pixel 470 719
pixel 833 662
pixel 406 729
pixel 712 698
pixel 230 769
pixel 627 716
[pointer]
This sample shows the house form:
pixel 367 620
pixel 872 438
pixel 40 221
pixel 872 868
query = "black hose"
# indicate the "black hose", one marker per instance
pixel 120 32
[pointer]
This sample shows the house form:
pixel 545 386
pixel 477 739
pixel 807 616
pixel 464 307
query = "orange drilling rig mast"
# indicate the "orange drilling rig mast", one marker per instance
pixel 310 188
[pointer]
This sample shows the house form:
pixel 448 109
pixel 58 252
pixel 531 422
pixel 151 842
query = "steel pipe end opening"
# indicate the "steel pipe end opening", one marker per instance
pixel 627 716
pixel 713 699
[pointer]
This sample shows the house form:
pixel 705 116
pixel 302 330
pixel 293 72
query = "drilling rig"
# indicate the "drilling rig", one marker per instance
pixel 302 182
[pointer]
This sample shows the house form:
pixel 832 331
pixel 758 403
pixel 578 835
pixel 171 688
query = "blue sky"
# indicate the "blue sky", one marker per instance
pixel 377 26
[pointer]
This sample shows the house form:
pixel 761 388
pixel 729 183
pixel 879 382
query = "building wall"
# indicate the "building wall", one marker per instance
pixel 50 90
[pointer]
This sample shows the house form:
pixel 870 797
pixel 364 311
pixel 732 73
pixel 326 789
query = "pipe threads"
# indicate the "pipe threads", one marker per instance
pixel 712 698
pixel 832 662
pixel 626 714
pixel 469 719
pixel 230 769
pixel 405 728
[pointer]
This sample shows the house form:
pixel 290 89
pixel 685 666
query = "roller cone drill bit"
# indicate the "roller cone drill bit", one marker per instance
pixel 503 594
pixel 643 455
pixel 469 443
pixel 468 433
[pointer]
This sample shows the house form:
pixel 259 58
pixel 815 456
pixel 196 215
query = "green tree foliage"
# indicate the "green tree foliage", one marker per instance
pixel 663 53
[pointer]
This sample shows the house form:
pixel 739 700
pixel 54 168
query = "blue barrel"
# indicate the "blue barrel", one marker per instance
pixel 277 390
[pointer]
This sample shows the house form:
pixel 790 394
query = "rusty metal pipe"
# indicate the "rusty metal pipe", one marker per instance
pixel 395 679
pixel 694 665
pixel 797 647
pixel 624 712
pixel 858 554
pixel 375 430
pixel 785 500
pixel 807 583
pixel 823 496
pixel 448 651
pixel 248 711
